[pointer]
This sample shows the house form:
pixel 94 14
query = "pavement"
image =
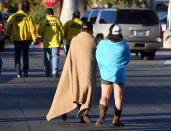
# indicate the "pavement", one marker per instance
pixel 24 102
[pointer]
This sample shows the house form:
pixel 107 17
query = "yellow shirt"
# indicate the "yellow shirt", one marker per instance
pixel 71 29
pixel 52 31
pixel 20 27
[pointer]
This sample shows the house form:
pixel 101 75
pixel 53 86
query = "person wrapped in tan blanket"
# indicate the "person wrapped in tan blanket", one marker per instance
pixel 77 84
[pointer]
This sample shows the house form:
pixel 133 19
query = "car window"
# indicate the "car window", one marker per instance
pixel 93 16
pixel 145 17
pixel 162 15
pixel 85 17
pixel 107 17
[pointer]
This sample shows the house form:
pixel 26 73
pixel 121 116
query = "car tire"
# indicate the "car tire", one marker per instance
pixel 2 45
pixel 148 55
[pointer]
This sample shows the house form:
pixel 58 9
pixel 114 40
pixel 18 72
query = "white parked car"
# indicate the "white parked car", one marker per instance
pixel 140 27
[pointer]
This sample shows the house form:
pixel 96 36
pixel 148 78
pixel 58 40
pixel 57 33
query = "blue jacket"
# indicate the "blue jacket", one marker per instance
pixel 112 57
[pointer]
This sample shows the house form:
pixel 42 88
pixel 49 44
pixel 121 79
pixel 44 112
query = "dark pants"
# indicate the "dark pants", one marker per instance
pixel 21 46
pixel 67 49
pixel 0 65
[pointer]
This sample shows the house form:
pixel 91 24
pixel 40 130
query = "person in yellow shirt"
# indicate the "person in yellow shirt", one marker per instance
pixel 51 29
pixel 71 29
pixel 21 30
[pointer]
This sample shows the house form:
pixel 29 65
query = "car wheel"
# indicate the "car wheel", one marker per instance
pixel 148 55
pixel 2 45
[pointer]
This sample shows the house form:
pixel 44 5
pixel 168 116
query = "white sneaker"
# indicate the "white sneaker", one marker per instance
pixel 18 76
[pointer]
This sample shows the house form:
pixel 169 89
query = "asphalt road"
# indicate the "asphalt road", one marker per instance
pixel 25 102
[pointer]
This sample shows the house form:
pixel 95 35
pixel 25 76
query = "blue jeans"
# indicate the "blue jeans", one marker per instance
pixel 51 53
pixel 1 62
pixel 21 46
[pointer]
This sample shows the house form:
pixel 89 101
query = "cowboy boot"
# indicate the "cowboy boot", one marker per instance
pixel 64 117
pixel 85 119
pixel 116 119
pixel 103 110
pixel 84 115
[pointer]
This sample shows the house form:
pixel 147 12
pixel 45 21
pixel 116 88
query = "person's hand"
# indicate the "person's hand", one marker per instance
pixel 7 37
pixel 34 41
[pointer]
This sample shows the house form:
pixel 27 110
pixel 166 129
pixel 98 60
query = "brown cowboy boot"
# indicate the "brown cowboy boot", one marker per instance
pixel 103 110
pixel 85 119
pixel 64 117
pixel 116 119
pixel 84 115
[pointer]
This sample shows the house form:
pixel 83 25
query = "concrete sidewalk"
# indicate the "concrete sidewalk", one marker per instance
pixel 24 102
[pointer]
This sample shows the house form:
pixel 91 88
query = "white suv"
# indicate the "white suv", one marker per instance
pixel 140 27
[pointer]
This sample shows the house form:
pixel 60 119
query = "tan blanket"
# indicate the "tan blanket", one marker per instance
pixel 77 84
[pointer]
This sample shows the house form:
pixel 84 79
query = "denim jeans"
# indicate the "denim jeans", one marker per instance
pixel 51 54
pixel 21 46
pixel 1 62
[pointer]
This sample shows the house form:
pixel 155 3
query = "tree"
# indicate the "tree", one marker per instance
pixel 124 3
pixel 82 6
pixel 12 5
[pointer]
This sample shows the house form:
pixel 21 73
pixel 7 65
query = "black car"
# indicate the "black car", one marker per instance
pixel 2 34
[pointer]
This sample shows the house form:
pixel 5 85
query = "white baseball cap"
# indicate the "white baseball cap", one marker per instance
pixel 116 30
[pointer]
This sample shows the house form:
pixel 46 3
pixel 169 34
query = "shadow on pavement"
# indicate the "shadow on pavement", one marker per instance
pixel 22 119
